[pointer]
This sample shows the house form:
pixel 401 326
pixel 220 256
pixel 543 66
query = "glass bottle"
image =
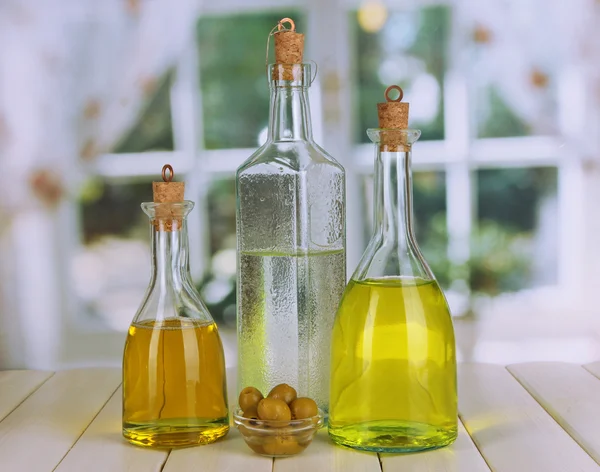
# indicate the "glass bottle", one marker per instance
pixel 291 248
pixel 393 368
pixel 174 387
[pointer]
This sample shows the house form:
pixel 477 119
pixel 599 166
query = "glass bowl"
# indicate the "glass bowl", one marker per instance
pixel 277 438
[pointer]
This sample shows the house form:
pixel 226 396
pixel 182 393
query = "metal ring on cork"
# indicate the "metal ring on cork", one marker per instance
pixel 394 87
pixel 286 20
pixel 167 167
pixel 279 27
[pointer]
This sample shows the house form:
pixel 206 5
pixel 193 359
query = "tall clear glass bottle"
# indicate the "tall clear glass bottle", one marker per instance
pixel 393 368
pixel 291 247
pixel 174 386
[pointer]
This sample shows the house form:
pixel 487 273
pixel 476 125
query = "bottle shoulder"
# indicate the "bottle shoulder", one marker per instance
pixel 392 258
pixel 291 156
pixel 167 301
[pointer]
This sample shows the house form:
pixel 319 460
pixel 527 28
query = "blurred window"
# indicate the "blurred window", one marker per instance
pixel 153 130
pixel 467 81
pixel 514 244
pixel 111 267
pixel 486 169
pixel 233 79
pixel 410 50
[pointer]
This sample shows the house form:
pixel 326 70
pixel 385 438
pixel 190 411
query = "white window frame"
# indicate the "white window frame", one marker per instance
pixel 459 154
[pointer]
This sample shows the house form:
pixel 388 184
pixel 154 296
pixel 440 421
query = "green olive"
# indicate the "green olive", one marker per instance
pixel 304 408
pixel 283 392
pixel 249 397
pixel 251 413
pixel 281 446
pixel 273 409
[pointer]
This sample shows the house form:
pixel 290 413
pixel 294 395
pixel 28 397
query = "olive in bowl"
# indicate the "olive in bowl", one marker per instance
pixel 279 425
pixel 277 438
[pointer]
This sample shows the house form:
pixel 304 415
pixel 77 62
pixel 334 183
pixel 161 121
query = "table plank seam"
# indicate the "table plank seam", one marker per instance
pixel 585 366
pixel 86 428
pixel 477 446
pixel 27 396
pixel 379 460
pixel 550 414
pixel 163 465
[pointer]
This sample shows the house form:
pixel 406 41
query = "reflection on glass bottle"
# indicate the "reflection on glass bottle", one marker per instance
pixel 393 372
pixel 174 387
pixel 291 247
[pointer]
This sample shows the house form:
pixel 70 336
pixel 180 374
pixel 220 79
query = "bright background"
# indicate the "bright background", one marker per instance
pixel 95 96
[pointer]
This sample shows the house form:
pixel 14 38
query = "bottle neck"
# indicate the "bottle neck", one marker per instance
pixel 289 115
pixel 393 198
pixel 170 257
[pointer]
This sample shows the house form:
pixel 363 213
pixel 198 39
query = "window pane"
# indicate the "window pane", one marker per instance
pixel 429 208
pixel 408 49
pixel 233 80
pixel 153 130
pixel 513 68
pixel 111 268
pixel 218 290
pixel 515 243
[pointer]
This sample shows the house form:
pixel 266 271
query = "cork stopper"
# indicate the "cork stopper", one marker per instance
pixel 167 218
pixel 168 191
pixel 393 115
pixel 289 49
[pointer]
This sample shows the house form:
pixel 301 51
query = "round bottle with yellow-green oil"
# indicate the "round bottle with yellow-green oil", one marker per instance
pixel 393 359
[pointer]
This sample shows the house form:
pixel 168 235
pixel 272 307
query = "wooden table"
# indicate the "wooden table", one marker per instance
pixel 536 417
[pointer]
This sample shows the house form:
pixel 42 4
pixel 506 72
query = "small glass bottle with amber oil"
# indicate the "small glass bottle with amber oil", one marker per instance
pixel 393 366
pixel 174 387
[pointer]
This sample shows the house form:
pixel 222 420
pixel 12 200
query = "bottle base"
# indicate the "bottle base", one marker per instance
pixel 170 434
pixel 392 436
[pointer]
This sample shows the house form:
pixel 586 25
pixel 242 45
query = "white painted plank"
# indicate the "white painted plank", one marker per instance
pixel 102 447
pixel 227 455
pixel 461 456
pixel 37 435
pixel 594 368
pixel 570 394
pixel 17 385
pixel 322 455
pixel 512 431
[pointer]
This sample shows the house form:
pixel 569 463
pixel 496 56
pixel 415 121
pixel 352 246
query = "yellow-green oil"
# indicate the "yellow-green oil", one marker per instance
pixel 393 377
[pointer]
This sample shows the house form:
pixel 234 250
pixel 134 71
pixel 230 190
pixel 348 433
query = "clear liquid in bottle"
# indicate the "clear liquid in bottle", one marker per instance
pixel 285 330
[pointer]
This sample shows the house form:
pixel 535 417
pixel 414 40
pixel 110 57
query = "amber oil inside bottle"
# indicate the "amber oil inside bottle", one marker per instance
pixel 181 399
